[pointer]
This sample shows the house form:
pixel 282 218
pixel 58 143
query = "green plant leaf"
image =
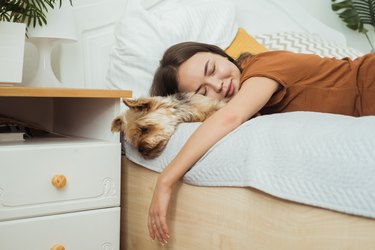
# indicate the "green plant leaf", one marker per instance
pixel 356 13
pixel 365 10
pixel 30 12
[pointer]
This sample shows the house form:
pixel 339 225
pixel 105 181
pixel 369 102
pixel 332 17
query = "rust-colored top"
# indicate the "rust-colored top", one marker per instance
pixel 312 83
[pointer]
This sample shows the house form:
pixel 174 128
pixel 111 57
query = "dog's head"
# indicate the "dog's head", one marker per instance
pixel 147 125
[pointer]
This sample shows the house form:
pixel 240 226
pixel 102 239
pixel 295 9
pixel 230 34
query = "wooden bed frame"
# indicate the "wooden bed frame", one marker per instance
pixel 234 218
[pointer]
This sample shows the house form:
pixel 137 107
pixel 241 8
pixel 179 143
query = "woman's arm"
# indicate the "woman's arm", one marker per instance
pixel 253 95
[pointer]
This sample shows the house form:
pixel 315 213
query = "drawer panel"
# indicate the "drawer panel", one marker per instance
pixel 96 229
pixel 91 169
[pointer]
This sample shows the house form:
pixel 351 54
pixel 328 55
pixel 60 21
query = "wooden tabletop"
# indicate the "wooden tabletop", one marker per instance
pixel 63 92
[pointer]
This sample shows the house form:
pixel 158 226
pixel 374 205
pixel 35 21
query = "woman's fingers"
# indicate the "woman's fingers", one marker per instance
pixel 158 229
pixel 157 222
pixel 158 235
pixel 150 229
pixel 164 228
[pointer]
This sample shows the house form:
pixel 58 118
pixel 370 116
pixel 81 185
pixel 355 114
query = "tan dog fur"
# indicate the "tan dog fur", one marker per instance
pixel 150 122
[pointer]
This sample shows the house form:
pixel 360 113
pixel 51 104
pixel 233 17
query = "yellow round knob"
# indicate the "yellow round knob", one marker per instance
pixel 57 247
pixel 59 181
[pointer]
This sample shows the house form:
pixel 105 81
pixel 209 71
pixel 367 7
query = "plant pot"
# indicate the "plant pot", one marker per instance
pixel 12 45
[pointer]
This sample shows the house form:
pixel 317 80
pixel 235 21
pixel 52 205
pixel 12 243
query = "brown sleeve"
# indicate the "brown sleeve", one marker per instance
pixel 286 68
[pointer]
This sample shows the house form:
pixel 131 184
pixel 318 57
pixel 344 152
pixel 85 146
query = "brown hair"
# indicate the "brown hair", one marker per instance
pixel 165 79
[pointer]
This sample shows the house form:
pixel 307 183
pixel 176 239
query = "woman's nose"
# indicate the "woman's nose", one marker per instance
pixel 215 84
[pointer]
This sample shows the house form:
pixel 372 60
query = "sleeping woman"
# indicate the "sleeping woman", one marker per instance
pixel 266 83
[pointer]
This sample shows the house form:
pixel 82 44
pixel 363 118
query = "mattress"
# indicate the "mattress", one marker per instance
pixel 318 159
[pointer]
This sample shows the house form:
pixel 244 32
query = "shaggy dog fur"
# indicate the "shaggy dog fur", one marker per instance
pixel 150 122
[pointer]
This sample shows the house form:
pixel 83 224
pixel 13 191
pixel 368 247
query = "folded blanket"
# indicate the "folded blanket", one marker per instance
pixel 318 159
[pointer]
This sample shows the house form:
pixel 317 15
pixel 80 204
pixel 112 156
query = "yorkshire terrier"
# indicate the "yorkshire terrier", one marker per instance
pixel 150 121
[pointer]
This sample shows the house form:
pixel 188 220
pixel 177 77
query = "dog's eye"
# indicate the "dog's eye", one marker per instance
pixel 143 129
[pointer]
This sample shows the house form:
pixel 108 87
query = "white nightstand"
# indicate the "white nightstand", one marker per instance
pixel 35 213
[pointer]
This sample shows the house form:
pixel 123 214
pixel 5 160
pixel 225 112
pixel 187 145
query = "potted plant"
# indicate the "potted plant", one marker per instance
pixel 15 17
pixel 358 15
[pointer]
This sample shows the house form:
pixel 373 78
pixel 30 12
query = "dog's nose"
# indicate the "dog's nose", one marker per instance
pixel 141 149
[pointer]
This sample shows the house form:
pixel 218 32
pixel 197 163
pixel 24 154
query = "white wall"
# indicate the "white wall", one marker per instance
pixel 321 9
pixel 70 61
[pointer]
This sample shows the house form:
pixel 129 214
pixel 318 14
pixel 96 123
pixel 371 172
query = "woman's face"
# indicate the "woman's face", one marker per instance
pixel 209 74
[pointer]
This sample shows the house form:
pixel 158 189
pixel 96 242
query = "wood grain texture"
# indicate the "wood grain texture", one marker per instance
pixel 63 92
pixel 234 218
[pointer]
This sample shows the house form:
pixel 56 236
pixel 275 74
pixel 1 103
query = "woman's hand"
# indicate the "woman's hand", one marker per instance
pixel 157 222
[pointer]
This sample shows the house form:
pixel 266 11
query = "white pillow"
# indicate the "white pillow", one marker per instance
pixel 306 43
pixel 143 35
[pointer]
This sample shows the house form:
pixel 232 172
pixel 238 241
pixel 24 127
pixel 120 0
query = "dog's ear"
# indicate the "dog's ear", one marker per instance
pixel 140 104
pixel 118 124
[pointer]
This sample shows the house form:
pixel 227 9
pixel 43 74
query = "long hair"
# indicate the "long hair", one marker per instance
pixel 165 80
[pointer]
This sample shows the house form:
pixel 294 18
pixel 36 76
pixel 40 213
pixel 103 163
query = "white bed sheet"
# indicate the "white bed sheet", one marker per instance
pixel 318 159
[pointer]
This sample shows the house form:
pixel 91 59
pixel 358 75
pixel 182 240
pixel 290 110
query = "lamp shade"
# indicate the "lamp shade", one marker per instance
pixel 60 24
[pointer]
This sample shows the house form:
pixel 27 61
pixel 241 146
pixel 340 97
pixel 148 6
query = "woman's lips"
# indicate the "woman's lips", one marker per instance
pixel 230 90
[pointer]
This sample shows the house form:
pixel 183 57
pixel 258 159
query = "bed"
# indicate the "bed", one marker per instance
pixel 299 180
pixel 225 214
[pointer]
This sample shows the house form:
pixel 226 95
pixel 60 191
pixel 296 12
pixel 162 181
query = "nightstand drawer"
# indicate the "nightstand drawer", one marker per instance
pixel 98 229
pixel 49 177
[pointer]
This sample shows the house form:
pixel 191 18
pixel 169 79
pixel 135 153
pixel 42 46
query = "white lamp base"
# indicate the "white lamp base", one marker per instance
pixel 44 76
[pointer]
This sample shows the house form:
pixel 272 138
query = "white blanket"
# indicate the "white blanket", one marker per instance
pixel 318 159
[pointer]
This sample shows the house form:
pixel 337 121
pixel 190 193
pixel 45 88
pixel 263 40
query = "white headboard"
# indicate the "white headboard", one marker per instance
pixel 85 63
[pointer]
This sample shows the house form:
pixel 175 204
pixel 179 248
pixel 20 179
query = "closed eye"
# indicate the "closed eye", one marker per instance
pixel 202 90
pixel 143 130
pixel 213 70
